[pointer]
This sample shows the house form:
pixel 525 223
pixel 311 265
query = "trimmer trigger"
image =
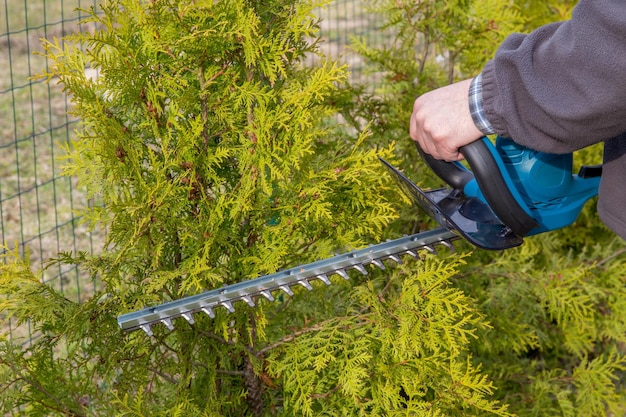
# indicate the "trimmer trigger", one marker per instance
pixel 590 171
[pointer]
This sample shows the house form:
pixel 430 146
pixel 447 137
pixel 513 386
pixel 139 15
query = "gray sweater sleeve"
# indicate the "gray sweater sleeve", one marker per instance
pixel 562 87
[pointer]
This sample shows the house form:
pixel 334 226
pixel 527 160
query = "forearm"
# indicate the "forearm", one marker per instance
pixel 562 87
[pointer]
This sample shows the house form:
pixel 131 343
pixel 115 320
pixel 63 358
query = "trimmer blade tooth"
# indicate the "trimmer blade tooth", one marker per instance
pixel 396 259
pixel 248 299
pixel 360 268
pixel 286 289
pixel 209 311
pixel 430 249
pixel 305 284
pixel 146 328
pixel 342 273
pixel 228 305
pixel 189 317
pixel 324 278
pixel 267 294
pixel 412 253
pixel 379 264
pixel 448 245
pixel 168 323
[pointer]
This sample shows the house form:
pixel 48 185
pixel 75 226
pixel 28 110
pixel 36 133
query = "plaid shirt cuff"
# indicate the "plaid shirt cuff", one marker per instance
pixel 476 106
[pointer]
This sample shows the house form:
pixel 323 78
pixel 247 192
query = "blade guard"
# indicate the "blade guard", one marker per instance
pixel 509 193
pixel 468 216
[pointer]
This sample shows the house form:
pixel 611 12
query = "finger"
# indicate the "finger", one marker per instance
pixel 429 147
pixel 412 128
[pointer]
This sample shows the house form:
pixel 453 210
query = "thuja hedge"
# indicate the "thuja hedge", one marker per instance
pixel 219 156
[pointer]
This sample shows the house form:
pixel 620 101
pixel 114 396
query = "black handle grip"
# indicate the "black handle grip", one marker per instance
pixel 452 174
pixel 492 184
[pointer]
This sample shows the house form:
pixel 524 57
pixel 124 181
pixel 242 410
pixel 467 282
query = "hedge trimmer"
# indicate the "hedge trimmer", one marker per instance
pixel 507 193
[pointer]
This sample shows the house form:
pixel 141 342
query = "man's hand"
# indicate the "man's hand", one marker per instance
pixel 441 121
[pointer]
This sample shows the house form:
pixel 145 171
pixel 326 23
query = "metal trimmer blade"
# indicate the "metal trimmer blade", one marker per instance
pixel 248 292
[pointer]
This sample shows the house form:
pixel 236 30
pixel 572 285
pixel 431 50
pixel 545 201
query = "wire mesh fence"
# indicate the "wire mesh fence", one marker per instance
pixel 39 206
pixel 342 21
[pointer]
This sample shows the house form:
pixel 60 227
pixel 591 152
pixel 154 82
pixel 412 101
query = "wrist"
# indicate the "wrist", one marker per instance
pixel 476 106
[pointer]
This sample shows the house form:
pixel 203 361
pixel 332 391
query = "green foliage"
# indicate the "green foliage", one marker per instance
pixel 208 142
pixel 556 342
pixel 408 335
pixel 552 339
pixel 213 149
